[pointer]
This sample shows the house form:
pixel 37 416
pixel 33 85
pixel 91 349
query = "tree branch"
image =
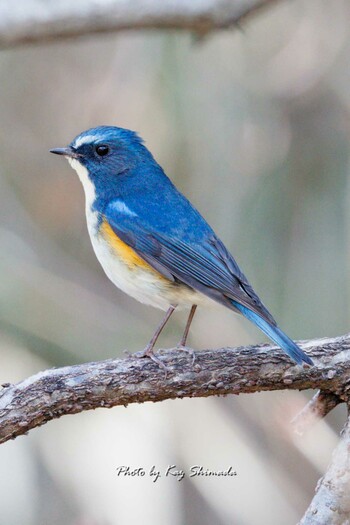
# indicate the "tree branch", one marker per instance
pixel 56 392
pixel 35 21
pixel 331 504
pixel 317 408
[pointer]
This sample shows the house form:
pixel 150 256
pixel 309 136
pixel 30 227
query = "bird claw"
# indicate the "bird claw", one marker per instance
pixel 148 352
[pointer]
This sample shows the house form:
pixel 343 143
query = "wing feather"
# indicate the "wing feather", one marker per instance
pixel 207 267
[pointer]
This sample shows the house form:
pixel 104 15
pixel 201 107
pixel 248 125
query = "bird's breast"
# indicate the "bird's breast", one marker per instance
pixel 132 274
pixel 124 252
pixel 124 267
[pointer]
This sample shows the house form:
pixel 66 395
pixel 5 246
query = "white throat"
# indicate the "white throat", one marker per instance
pixel 88 186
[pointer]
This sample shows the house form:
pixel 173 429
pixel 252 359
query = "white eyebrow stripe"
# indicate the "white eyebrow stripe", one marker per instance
pixel 123 208
pixel 86 139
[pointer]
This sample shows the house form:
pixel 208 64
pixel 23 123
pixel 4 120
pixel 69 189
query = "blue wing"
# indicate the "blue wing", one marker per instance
pixel 194 256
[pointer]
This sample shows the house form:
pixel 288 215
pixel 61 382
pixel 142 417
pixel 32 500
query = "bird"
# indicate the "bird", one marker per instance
pixel 152 242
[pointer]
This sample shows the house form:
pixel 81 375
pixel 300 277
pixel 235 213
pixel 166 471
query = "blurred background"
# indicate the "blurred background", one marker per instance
pixel 254 127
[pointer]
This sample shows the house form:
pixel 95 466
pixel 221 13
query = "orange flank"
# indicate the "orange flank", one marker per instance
pixel 123 251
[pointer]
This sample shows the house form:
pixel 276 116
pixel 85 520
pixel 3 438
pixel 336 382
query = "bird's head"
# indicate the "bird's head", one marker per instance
pixel 102 155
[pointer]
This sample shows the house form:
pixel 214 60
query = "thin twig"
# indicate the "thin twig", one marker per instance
pixel 317 408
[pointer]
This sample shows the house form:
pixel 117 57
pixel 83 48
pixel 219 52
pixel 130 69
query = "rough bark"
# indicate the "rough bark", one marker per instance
pixel 56 392
pixel 331 504
pixel 36 21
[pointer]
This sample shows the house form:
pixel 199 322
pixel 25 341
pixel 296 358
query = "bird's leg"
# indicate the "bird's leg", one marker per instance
pixel 148 351
pixel 182 343
pixel 187 327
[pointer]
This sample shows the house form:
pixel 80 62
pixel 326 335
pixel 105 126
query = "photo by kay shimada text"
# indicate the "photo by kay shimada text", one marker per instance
pixel 172 471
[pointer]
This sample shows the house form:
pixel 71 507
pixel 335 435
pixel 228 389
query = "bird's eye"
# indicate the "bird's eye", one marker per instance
pixel 102 150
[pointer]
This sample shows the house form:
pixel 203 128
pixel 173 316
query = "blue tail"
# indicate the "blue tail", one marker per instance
pixel 276 335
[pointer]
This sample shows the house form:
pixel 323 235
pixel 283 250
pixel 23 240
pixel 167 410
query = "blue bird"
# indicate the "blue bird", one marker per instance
pixel 152 243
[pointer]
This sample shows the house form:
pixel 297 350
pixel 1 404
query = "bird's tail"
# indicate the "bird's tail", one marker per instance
pixel 276 335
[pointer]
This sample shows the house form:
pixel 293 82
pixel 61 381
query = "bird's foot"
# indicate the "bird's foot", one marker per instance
pixel 149 352
pixel 188 350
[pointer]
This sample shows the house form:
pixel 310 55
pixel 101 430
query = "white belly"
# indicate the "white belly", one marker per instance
pixel 141 284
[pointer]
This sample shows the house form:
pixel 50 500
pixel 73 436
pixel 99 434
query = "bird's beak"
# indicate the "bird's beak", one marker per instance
pixel 66 152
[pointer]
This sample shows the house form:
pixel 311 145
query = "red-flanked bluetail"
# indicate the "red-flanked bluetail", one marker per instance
pixel 151 242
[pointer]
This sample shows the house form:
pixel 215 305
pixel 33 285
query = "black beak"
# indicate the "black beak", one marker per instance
pixel 66 152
